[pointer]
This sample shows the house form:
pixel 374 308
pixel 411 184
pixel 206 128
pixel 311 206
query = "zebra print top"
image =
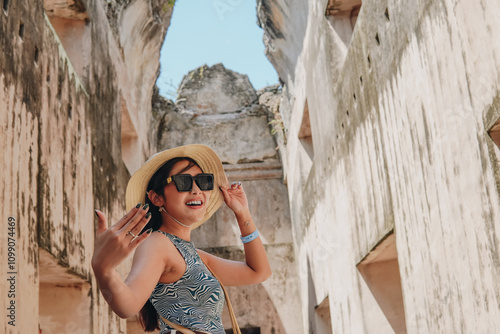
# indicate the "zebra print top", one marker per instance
pixel 196 300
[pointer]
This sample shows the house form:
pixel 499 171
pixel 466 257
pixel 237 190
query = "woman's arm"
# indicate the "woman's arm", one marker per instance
pixel 256 267
pixel 112 247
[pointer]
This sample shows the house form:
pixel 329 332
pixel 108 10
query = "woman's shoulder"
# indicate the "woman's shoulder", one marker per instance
pixel 157 245
pixel 160 249
pixel 159 238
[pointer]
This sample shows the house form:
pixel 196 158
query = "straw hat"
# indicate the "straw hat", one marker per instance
pixel 204 156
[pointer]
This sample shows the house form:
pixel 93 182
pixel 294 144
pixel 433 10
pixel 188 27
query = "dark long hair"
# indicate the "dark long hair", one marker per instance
pixel 148 317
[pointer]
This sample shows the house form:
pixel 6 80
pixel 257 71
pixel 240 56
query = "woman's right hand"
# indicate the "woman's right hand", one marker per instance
pixel 113 245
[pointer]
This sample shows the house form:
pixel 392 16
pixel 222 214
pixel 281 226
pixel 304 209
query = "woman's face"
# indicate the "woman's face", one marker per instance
pixel 188 207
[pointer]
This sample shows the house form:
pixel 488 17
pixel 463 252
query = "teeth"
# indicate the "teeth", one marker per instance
pixel 193 203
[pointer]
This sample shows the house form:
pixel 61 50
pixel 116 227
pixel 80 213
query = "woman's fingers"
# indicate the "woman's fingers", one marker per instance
pixel 140 238
pixel 232 187
pixel 127 217
pixel 236 185
pixel 224 190
pixel 127 223
pixel 137 229
pixel 225 194
pixel 101 222
pixel 136 223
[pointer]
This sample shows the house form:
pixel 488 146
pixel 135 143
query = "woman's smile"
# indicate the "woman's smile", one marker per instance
pixel 194 203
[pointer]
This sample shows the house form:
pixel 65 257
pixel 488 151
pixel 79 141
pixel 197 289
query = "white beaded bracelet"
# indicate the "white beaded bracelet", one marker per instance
pixel 250 237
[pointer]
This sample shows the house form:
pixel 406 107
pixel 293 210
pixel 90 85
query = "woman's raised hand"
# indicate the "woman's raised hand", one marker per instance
pixel 112 245
pixel 235 199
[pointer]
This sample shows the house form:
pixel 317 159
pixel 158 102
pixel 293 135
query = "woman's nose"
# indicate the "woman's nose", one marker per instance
pixel 195 189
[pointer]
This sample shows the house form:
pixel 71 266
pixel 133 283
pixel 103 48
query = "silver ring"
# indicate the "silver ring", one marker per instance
pixel 132 234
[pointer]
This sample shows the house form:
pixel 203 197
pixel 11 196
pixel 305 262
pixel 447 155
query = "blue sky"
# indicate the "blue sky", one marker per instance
pixel 211 32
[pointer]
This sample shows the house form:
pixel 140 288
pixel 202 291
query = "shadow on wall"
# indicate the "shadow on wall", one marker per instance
pixel 380 270
pixel 71 312
pixel 283 34
pixel 249 303
pixel 319 314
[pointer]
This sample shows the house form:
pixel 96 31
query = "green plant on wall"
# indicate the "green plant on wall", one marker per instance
pixel 277 125
pixel 169 5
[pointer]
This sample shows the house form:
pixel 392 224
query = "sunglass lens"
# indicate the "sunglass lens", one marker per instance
pixel 183 182
pixel 205 181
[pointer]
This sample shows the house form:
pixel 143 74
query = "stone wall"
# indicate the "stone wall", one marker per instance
pixel 388 157
pixel 68 96
pixel 382 133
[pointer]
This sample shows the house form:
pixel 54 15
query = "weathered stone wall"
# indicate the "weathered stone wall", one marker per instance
pixel 398 120
pixel 62 149
pixel 221 109
pixel 387 133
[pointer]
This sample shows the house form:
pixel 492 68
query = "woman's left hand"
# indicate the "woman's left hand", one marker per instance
pixel 235 199
pixel 256 268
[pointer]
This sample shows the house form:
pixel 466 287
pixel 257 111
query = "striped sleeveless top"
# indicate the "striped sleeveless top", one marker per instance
pixel 196 300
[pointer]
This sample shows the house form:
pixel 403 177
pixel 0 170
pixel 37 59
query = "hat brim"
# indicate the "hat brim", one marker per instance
pixel 204 156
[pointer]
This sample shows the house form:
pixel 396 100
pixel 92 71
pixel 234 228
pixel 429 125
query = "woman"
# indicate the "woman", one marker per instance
pixel 181 189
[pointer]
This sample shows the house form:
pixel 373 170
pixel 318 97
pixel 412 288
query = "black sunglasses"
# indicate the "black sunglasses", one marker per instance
pixel 184 182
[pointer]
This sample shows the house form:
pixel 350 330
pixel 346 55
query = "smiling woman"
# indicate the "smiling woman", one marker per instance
pixel 174 285
pixel 183 199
